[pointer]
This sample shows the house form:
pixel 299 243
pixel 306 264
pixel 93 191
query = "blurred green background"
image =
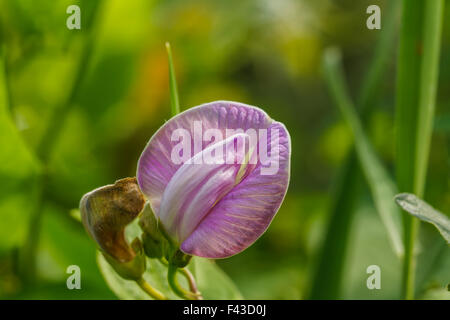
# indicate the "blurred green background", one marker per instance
pixel 85 102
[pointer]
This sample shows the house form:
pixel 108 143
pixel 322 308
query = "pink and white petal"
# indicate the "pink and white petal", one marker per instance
pixel 196 188
pixel 243 215
pixel 155 167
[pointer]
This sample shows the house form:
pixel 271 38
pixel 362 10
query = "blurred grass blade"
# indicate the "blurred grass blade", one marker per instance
pixel 422 210
pixel 417 76
pixel 174 101
pixel 14 148
pixel 327 278
pixel 383 53
pixel 382 187
pixel 442 123
pixel 19 169
pixel 57 121
pixel 52 132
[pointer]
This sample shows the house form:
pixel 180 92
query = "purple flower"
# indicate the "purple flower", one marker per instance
pixel 209 205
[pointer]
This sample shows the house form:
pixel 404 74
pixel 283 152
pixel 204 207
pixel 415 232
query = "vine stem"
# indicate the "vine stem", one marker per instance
pixel 192 285
pixel 152 292
pixel 189 277
pixel 179 291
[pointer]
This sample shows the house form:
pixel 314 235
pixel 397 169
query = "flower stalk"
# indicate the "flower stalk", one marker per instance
pixel 177 288
pixel 189 277
pixel 152 292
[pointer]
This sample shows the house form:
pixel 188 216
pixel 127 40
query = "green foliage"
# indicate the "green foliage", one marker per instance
pixel 381 185
pixel 442 123
pixel 328 277
pixel 174 100
pixel 211 281
pixel 96 95
pixel 437 294
pixel 417 78
pixel 156 275
pixel 425 212
pixel 18 172
pixel 57 251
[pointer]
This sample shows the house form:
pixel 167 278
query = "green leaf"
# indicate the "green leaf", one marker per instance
pixel 381 185
pixel 212 282
pixel 64 242
pixel 174 100
pixel 433 264
pixel 416 90
pixel 442 123
pixel 437 294
pixel 422 210
pixel 155 275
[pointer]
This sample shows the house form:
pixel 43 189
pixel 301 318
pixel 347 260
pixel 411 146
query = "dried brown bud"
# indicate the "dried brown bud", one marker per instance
pixel 131 270
pixel 106 212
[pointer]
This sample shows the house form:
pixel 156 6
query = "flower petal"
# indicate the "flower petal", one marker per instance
pixel 243 215
pixel 195 188
pixel 156 168
pixel 202 207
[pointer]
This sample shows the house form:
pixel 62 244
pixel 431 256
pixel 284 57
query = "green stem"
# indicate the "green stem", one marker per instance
pixel 174 100
pixel 327 278
pixel 417 75
pixel 152 292
pixel 176 287
pixel 189 277
pixel 192 284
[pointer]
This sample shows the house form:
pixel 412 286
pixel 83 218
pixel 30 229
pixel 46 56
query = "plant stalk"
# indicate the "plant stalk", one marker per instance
pixel 152 292
pixel 327 279
pixel 176 287
pixel 189 277
pixel 417 75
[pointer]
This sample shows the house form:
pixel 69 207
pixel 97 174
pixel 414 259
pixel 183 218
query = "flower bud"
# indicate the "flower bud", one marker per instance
pixel 106 211
pixel 153 240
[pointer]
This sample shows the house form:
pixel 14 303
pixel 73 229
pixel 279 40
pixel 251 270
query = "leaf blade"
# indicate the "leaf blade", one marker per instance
pixel 381 185
pixel 130 290
pixel 174 100
pixel 212 282
pixel 416 87
pixel 19 169
pixel 327 280
pixel 425 212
